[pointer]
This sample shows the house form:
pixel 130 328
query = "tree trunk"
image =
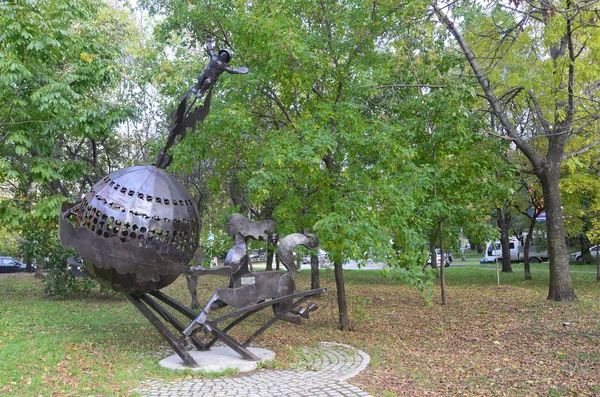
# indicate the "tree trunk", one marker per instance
pixel 341 296
pixel 561 288
pixel 39 271
pixel 442 266
pixel 598 267
pixel 526 246
pixel 547 167
pixel 314 272
pixel 271 244
pixel 586 257
pixel 503 221
pixel 192 285
pixel 27 259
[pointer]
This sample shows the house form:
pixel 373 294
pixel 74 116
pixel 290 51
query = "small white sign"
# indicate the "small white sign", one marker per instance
pixel 248 280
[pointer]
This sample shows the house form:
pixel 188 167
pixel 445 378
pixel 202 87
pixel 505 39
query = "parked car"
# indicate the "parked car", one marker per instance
pixel 11 265
pixel 258 255
pixel 576 256
pixel 322 255
pixel 447 255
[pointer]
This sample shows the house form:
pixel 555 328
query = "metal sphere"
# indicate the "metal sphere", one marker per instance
pixel 136 229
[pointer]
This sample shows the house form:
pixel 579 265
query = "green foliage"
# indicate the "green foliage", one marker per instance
pixel 9 243
pixel 58 281
pixel 328 129
pixel 60 65
pixel 581 191
pixel 415 277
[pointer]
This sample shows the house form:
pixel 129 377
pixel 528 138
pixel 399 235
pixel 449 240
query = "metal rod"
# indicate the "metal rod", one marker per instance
pixel 235 345
pixel 170 319
pixel 181 308
pixel 274 319
pixel 187 359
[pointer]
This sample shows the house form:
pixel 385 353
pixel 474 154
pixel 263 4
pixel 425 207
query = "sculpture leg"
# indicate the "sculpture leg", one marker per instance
pixel 138 302
pixel 285 286
pixel 192 284
pixel 201 319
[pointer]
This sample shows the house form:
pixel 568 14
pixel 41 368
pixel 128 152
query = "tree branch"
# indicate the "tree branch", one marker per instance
pixel 273 96
pixel 582 150
pixel 380 87
pixel 508 138
pixel 538 112
pixel 525 147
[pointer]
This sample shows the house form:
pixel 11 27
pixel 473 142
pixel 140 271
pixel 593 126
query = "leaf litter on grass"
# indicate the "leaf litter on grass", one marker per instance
pixel 487 341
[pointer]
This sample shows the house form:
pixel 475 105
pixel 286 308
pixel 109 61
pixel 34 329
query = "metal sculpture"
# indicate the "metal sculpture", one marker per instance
pixel 137 230
pixel 248 287
pixel 182 119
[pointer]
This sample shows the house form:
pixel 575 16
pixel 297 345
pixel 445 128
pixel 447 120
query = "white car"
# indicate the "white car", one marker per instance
pixel 576 256
pixel 322 255
pixel 448 257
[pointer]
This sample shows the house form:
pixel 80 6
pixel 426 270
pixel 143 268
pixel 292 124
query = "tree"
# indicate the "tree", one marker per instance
pixel 60 66
pixel 304 129
pixel 530 203
pixel 541 110
pixel 456 163
pixel 503 220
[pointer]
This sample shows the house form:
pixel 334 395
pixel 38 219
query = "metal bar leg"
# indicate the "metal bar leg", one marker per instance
pixel 231 325
pixel 170 319
pixel 188 360
pixel 274 319
pixel 181 308
pixel 235 345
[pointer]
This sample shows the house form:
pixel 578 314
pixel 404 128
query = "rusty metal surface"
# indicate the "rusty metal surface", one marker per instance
pixel 136 229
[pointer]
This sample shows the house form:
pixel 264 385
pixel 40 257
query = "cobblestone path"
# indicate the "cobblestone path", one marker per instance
pixel 323 374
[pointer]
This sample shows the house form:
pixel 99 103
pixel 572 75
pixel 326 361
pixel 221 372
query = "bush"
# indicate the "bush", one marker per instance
pixel 59 282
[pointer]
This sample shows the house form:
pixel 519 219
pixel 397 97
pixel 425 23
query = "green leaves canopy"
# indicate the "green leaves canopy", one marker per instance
pixel 318 128
pixel 59 68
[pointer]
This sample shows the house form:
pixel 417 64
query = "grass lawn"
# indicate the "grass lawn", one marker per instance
pixel 487 341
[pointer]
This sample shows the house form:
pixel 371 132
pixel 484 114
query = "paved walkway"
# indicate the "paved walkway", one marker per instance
pixel 322 373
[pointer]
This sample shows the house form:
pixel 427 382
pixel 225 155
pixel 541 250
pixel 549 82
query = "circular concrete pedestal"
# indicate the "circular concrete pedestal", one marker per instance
pixel 218 359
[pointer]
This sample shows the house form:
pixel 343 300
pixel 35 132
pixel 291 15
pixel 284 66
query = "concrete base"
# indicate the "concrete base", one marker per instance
pixel 218 359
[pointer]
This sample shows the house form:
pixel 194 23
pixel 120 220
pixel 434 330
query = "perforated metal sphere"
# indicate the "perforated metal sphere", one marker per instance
pixel 136 229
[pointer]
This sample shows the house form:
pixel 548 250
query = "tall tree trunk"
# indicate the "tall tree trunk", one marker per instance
pixel 271 244
pixel 546 166
pixel 598 267
pixel 442 265
pixel 341 295
pixel 314 271
pixel 503 221
pixel 526 246
pixel 39 271
pixel 561 287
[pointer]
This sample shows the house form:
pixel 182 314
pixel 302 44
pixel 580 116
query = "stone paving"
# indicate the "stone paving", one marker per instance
pixel 323 371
